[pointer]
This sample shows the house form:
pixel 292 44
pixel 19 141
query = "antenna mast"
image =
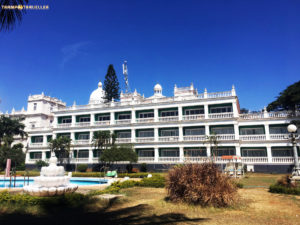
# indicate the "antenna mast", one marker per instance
pixel 125 73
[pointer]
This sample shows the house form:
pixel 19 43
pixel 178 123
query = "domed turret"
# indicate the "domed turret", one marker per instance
pixel 157 90
pixel 97 95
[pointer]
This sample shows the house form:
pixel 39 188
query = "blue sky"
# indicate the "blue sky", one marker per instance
pixel 66 50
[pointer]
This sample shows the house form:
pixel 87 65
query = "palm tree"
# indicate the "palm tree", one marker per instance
pixel 213 141
pixel 9 17
pixel 61 146
pixel 103 139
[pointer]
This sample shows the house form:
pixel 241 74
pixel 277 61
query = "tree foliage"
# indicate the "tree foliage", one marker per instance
pixel 103 139
pixel 288 99
pixel 15 153
pixel 61 146
pixel 111 85
pixel 9 17
pixel 119 153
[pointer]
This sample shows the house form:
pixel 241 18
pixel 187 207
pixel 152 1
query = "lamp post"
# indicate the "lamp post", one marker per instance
pixel 292 129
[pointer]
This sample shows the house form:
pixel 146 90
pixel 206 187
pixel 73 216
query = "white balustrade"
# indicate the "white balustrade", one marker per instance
pixel 279 136
pixel 145 159
pixel 169 159
pixel 168 118
pixel 82 124
pixel 251 116
pixel 260 137
pixel 123 140
pixel 283 160
pixel 219 94
pixel 255 160
pixel 81 142
pixel 279 114
pixel 220 115
pixel 102 123
pixel 127 121
pixel 169 139
pixel 38 144
pixel 194 138
pixel 64 125
pixel 225 137
pixel 145 120
pixel 196 159
pixel 193 117
pixel 79 160
pixel 144 139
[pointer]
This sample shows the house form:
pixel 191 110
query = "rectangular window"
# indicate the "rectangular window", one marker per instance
pixel 223 151
pixel 146 115
pixel 84 119
pixel 66 120
pixel 83 154
pixel 252 131
pixel 38 139
pixel 83 136
pixel 194 131
pixel 124 117
pixel 34 106
pixel 170 153
pixel 283 152
pixel 103 118
pixel 146 153
pixel 221 109
pixel 278 130
pixel 194 111
pixel 222 130
pixel 124 134
pixel 168 133
pixel 169 113
pixel 36 155
pixel 259 152
pixel 195 152
pixel 146 133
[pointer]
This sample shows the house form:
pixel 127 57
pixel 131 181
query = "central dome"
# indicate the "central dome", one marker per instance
pixel 97 95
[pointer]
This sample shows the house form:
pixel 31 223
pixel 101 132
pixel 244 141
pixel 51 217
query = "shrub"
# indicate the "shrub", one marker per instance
pixel 143 167
pixel 82 167
pixel 285 186
pixel 129 168
pixel 156 181
pixel 201 184
pixel 41 163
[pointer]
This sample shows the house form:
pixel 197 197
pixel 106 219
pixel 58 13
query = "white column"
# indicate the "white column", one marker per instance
pixel 180 133
pixel 73 137
pixel 207 130
pixel 44 140
pixel 54 136
pixel 90 156
pixel 133 120
pixel 132 135
pixel 235 109
pixel 156 154
pixel 180 112
pixel 92 119
pixel 238 151
pixel 181 154
pixel 91 136
pixel 267 131
pixel 55 121
pixel 43 156
pixel 208 151
pixel 206 111
pixel 269 152
pixel 156 115
pixel 112 118
pixel 156 135
pixel 73 120
pixel 236 132
pixel 27 157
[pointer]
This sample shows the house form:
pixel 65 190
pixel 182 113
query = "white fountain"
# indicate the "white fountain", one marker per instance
pixel 52 181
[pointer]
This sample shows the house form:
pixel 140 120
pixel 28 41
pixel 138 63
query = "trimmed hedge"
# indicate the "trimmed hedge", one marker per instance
pixel 277 188
pixel 101 174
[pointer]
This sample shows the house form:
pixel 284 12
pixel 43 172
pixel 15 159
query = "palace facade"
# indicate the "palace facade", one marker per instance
pixel 164 130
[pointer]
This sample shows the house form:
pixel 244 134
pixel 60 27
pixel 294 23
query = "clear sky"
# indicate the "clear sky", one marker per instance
pixel 65 51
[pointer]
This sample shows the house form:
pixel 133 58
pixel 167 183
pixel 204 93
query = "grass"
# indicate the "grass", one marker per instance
pixel 149 206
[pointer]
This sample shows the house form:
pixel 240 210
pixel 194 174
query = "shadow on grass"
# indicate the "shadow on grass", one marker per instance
pixel 138 214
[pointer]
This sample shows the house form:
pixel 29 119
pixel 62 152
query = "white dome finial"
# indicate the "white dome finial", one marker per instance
pixel 100 84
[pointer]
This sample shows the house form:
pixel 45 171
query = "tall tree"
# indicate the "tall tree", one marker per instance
pixel 119 153
pixel 61 146
pixel 9 17
pixel 15 153
pixel 288 99
pixel 111 85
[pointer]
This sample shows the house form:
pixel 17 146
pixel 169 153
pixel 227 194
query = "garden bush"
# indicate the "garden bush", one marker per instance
pixel 202 184
pixel 41 163
pixel 285 186
pixel 82 167
pixel 156 181
pixel 143 167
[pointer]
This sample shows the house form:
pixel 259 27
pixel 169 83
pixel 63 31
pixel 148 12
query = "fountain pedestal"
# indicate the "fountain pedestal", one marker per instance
pixel 51 182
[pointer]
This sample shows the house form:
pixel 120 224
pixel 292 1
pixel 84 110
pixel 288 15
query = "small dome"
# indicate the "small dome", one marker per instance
pixel 157 87
pixel 97 95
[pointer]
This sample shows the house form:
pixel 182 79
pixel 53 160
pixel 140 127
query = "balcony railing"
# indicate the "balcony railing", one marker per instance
pixel 279 136
pixel 79 160
pixel 194 138
pixel 123 140
pixel 260 137
pixel 252 116
pixel 82 124
pixel 168 118
pixel 169 139
pixel 38 144
pixel 64 125
pixel 127 121
pixel 144 139
pixel 283 160
pixel 145 120
pixel 169 159
pixel 225 137
pixel 193 117
pixel 254 159
pixel 197 159
pixel 145 159
pixel 220 115
pixel 81 142
pixel 102 123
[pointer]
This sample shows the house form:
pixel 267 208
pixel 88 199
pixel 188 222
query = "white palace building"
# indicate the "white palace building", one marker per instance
pixel 164 130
